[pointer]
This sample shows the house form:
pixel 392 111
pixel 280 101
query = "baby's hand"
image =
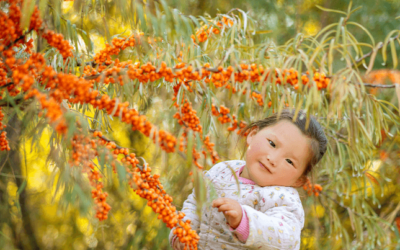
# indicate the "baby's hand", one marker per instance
pixel 231 209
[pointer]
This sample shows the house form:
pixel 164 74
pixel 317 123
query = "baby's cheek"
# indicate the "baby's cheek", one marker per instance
pixel 286 177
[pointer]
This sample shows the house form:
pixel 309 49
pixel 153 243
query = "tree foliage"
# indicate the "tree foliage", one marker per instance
pixel 186 86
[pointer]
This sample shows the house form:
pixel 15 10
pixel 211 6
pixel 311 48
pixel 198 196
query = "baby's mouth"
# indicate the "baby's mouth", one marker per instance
pixel 265 167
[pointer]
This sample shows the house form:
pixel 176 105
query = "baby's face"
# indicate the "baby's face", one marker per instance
pixel 277 155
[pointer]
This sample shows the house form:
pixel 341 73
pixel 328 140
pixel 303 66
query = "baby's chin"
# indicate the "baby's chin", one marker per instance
pixel 261 183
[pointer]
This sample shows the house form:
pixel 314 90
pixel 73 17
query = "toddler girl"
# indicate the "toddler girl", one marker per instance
pixel 265 211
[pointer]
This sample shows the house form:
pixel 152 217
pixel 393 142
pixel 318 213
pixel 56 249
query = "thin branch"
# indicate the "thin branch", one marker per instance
pixel 119 147
pixel 8 84
pixel 370 53
pixel 19 38
pixel 338 203
pixel 92 77
pixel 91 63
pixel 380 86
pixel 5 161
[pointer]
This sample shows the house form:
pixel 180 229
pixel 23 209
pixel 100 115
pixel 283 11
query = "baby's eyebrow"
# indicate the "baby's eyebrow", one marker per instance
pixel 276 139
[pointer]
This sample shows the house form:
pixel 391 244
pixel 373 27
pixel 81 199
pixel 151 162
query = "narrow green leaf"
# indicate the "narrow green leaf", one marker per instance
pixel 331 10
pixel 22 187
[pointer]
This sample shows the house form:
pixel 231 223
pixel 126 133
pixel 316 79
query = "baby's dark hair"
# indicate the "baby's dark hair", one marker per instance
pixel 314 132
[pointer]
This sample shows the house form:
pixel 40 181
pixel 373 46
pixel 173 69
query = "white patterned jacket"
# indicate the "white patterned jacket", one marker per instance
pixel 275 213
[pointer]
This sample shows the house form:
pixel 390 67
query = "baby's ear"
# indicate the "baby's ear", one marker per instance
pixel 252 133
pixel 301 181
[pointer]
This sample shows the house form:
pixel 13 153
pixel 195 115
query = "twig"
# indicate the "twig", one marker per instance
pixel 92 77
pixel 343 206
pixel 380 86
pixel 5 161
pixel 106 139
pixel 119 147
pixel 370 53
pixel 214 70
pixel 8 84
pixel 19 38
pixel 91 63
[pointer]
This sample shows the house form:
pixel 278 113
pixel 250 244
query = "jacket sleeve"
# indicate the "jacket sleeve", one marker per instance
pixel 189 208
pixel 278 227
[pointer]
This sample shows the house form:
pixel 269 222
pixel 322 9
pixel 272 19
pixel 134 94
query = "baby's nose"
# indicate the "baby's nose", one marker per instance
pixel 270 160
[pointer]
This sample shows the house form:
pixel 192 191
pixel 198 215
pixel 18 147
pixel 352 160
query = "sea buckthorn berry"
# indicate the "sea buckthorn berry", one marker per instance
pixel 312 189
pixel 3 142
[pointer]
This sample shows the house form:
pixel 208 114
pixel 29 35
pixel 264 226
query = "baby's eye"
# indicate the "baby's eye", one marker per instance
pixel 271 143
pixel 289 161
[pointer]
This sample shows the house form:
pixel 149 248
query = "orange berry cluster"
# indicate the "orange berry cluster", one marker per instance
pixel 312 189
pixel 204 31
pixel 10 29
pixel 321 80
pixel 220 77
pixel 9 25
pixel 150 188
pixel 191 121
pixel 130 116
pixel 147 72
pixel 29 46
pixel 186 235
pixel 57 41
pixel 84 150
pixel 146 185
pixel 129 158
pixel 2 126
pixel 3 135
pixel 3 141
pixel 78 90
pixel 3 78
pixel 210 147
pixel 242 125
pixel 188 117
pixel 382 76
pixel 111 75
pixel 225 118
pixel 258 97
pixel 224 111
pixel 54 111
pixel 143 183
pixel 236 124
pixel 166 141
pixel 24 75
pixel 100 199
pixel 118 44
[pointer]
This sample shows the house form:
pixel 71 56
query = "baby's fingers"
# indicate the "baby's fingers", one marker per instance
pixel 224 208
pixel 220 201
pixel 232 213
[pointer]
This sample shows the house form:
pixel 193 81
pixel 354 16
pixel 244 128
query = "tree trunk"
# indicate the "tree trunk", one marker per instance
pixel 14 131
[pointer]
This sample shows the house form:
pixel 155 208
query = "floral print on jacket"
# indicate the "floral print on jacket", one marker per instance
pixel 275 213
